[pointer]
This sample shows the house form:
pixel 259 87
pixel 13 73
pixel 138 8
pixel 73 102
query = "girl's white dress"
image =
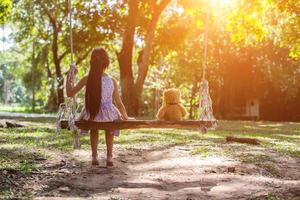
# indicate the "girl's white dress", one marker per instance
pixel 107 112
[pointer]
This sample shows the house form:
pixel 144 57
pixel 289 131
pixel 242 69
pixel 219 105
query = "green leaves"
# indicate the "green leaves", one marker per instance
pixel 5 9
pixel 246 28
pixel 253 22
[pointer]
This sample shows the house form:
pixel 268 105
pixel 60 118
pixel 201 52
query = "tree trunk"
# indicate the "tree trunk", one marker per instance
pixel 144 57
pixel 243 140
pixel 125 60
pixel 33 65
pixel 56 27
pixel 132 91
pixel 191 107
pixel 56 59
pixel 52 98
pixel 6 90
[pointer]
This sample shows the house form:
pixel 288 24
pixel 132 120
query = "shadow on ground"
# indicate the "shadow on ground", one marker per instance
pixel 171 173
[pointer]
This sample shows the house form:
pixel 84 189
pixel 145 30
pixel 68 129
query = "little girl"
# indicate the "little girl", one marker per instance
pixel 102 101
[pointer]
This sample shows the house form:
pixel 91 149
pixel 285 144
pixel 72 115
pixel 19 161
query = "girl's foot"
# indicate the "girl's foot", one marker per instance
pixel 95 160
pixel 109 163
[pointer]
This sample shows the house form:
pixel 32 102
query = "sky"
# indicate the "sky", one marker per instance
pixel 4 34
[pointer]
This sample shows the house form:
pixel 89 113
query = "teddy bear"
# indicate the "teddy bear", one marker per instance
pixel 171 109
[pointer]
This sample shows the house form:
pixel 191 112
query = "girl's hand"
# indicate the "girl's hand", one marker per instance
pixel 125 117
pixel 122 117
pixel 73 69
pixel 72 73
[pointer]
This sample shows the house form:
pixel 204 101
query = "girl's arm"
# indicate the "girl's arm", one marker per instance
pixel 71 91
pixel 118 102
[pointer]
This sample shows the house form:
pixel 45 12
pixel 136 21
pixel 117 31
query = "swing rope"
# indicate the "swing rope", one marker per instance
pixel 205 102
pixel 73 69
pixel 71 30
pixel 67 111
pixel 204 62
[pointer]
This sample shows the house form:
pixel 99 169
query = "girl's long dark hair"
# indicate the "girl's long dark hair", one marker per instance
pixel 93 94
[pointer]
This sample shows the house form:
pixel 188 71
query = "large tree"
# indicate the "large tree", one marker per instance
pixel 132 86
pixel 47 22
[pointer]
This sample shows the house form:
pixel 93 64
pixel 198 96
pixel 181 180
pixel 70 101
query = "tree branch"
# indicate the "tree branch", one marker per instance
pixel 63 55
pixel 163 4
pixel 48 13
pixel 144 57
pixel 79 60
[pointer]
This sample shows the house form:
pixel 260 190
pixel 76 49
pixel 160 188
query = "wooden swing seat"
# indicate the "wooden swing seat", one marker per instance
pixel 137 124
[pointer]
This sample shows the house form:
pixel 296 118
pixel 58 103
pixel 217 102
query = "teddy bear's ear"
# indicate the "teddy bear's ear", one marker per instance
pixel 176 92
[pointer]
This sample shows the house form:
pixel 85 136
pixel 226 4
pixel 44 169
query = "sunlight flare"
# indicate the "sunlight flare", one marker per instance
pixel 224 2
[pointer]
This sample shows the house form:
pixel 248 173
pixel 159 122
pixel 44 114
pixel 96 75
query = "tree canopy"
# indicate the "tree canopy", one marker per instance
pixel 5 9
pixel 253 49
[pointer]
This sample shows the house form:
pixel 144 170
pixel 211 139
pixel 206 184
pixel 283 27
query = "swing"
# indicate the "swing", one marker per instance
pixel 137 124
pixel 67 111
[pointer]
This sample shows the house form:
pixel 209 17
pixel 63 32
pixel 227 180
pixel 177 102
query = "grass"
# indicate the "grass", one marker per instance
pixel 25 109
pixel 20 108
pixel 272 197
pixel 21 149
pixel 20 159
pixel 8 193
pixel 284 139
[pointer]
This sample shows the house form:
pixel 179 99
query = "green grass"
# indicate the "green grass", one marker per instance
pixel 18 145
pixel 22 149
pixel 18 108
pixel 14 157
pixel 37 137
pixel 22 109
pixel 8 193
pixel 286 140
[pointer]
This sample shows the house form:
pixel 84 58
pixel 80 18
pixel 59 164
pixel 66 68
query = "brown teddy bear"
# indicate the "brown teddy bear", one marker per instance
pixel 171 109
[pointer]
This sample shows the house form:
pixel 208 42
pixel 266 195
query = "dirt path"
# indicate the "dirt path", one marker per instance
pixel 166 173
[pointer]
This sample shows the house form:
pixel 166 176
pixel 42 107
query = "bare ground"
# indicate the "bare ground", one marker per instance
pixel 167 173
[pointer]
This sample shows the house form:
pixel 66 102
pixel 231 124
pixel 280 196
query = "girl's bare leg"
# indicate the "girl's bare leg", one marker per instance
pixel 94 138
pixel 109 139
